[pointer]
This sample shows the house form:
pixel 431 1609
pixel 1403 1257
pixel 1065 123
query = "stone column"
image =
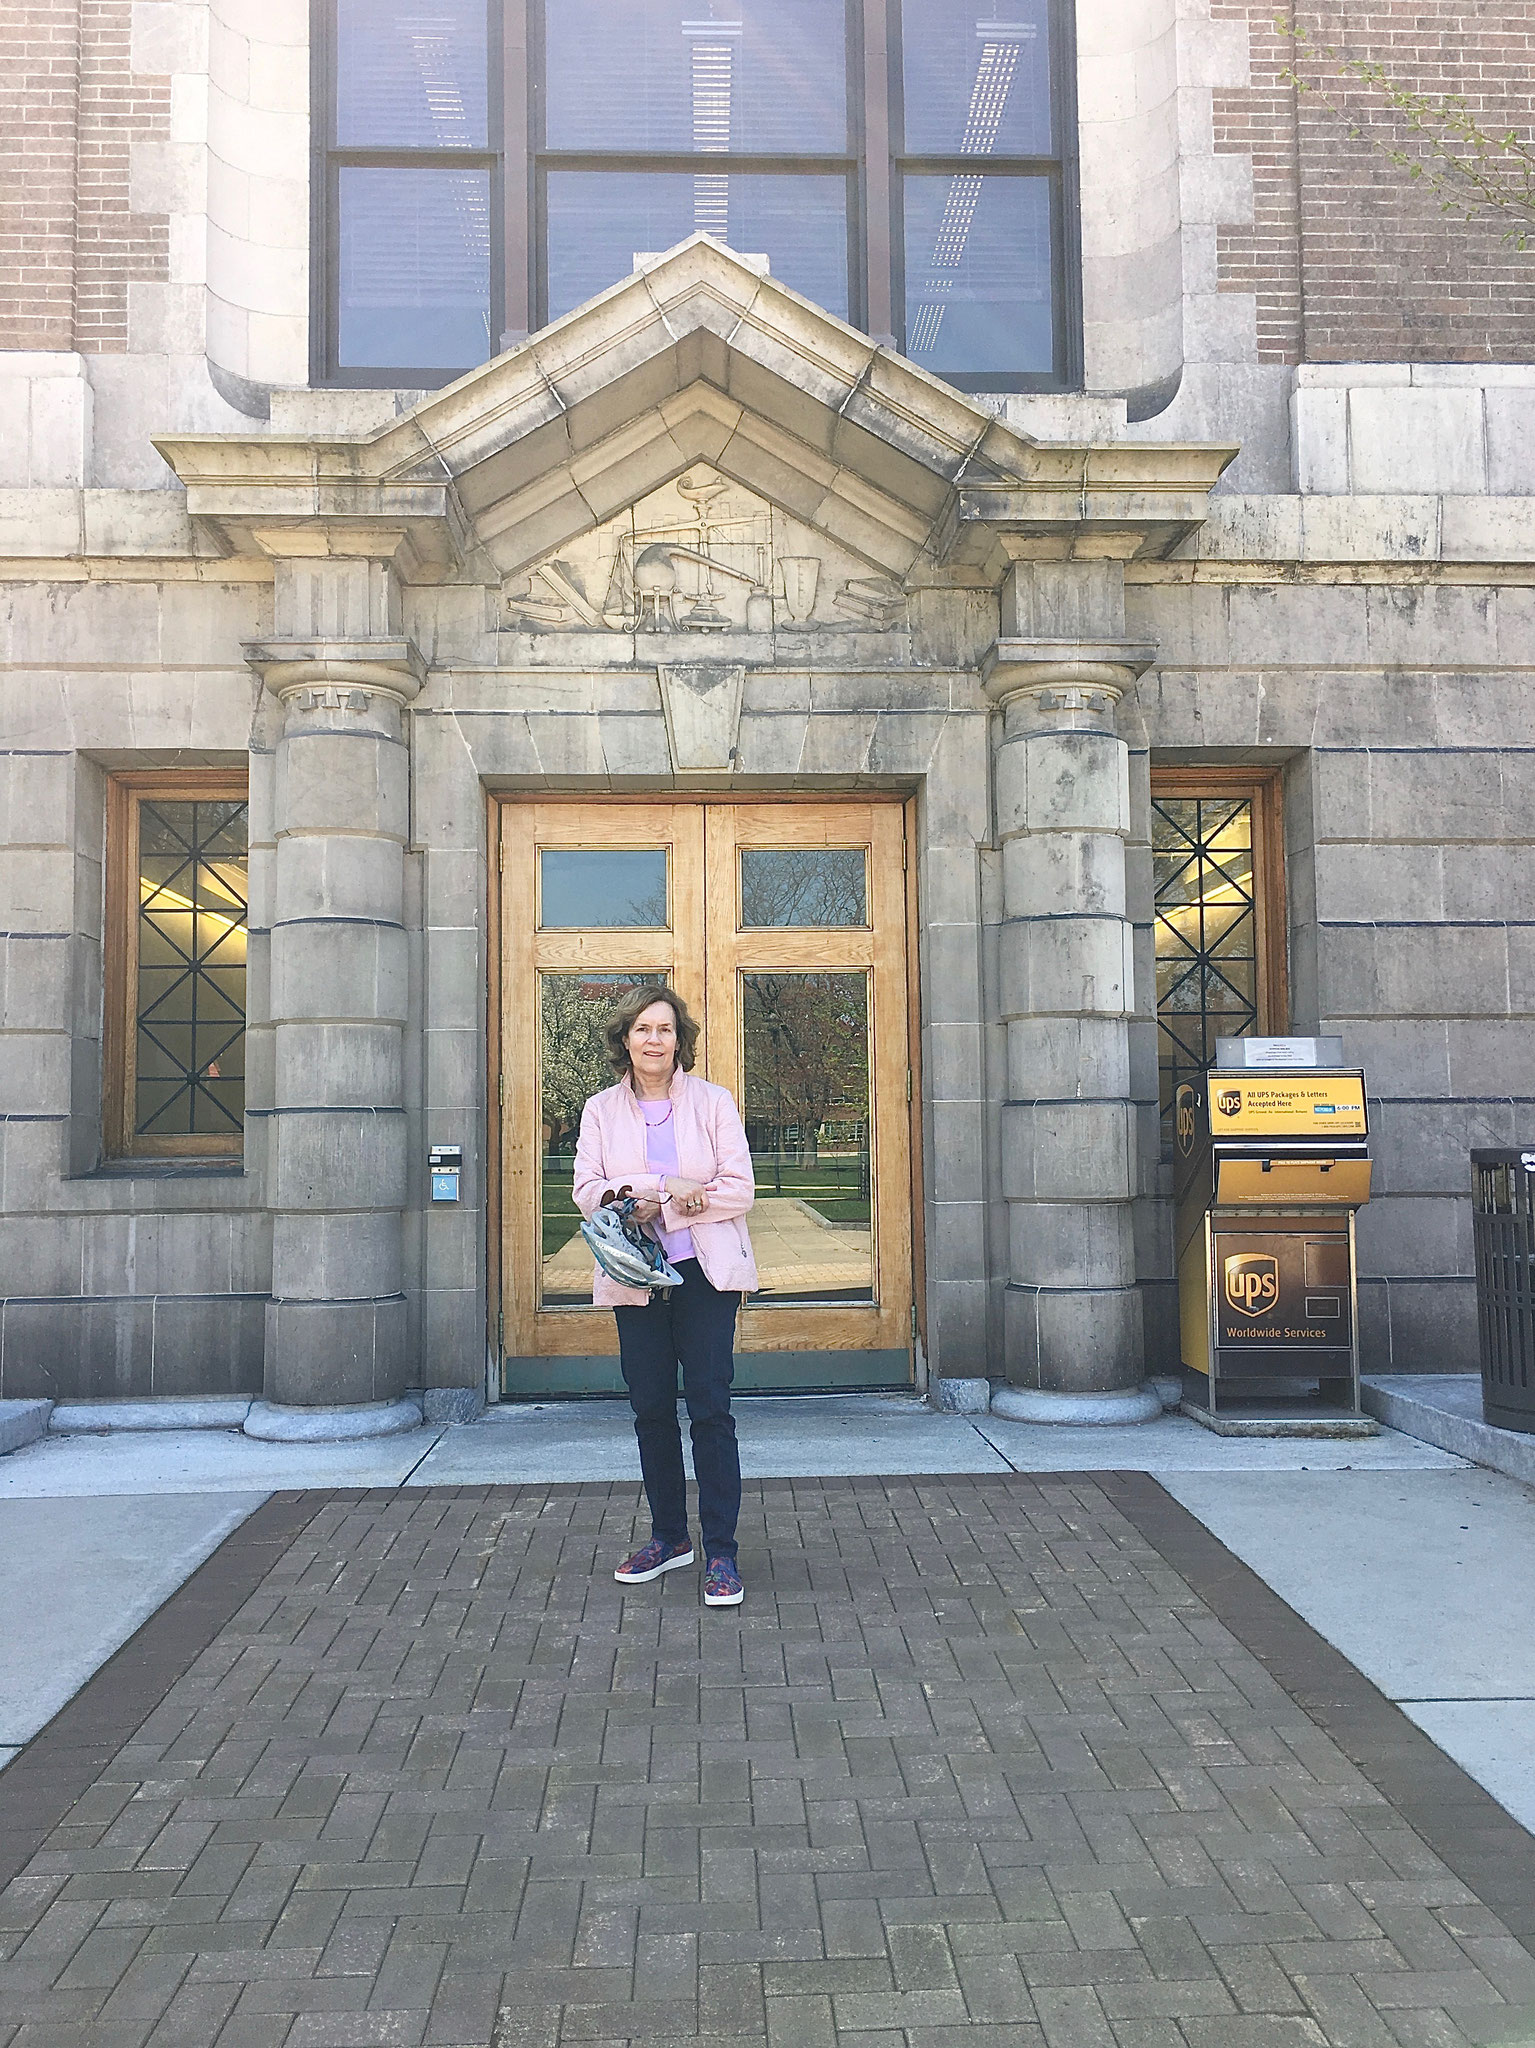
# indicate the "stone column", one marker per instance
pixel 1153 1212
pixel 1072 1327
pixel 338 1345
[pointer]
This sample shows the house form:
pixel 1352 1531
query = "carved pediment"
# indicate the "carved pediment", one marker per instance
pixel 699 360
pixel 702 554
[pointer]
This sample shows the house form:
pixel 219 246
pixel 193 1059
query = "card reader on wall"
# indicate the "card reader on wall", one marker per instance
pixel 447 1162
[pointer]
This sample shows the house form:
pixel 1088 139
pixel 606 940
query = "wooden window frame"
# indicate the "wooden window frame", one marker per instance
pixel 1264 789
pixel 120 958
pixel 873 164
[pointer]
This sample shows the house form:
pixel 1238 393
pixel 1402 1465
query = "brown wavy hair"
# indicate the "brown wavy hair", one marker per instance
pixel 621 1023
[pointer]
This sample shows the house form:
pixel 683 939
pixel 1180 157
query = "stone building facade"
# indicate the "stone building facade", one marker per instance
pixel 692 566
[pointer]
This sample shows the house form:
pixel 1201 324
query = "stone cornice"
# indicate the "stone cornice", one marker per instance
pixel 1117 502
pixel 700 359
pixel 244 491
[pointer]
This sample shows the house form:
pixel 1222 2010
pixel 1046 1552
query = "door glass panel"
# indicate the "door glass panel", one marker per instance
pixel 810 887
pixel 806 1103
pixel 581 889
pixel 190 1051
pixel 573 1064
pixel 763 76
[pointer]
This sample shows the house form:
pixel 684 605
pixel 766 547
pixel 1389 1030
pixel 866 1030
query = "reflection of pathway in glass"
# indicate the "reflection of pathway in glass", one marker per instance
pixel 798 1252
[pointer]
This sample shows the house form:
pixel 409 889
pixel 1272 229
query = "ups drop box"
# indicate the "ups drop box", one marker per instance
pixel 1283 1297
pixel 1269 1168
pixel 1265 1139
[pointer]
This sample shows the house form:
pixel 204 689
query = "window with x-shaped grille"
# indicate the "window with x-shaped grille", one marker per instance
pixel 1218 882
pixel 180 856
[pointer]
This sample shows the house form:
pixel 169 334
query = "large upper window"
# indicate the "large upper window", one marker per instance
pixel 483 168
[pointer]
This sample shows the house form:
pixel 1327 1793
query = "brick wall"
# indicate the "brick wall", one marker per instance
pixel 39 101
pixel 71 111
pixel 1259 121
pixel 1348 257
pixel 114 246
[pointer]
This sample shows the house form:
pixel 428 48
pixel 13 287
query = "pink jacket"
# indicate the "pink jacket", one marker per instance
pixel 711 1149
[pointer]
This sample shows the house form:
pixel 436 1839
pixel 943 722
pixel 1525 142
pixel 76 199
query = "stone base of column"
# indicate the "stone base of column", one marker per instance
pixel 1031 1404
pixel 961 1397
pixel 274 1423
pixel 445 1405
pixel 1073 1340
pixel 336 1354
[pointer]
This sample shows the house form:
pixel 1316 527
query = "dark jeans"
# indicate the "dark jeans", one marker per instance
pixel 694 1327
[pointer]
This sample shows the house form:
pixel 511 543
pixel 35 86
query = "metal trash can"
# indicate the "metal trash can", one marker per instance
pixel 1503 1228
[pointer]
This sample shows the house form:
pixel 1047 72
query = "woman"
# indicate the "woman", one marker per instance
pixel 678 1144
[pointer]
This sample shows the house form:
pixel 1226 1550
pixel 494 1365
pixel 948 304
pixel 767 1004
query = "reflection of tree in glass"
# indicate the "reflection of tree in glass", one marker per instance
pixel 813 887
pixel 647 913
pixel 575 1062
pixel 807 1054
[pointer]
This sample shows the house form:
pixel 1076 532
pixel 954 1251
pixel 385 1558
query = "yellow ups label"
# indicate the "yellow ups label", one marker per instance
pixel 1251 1283
pixel 1287 1106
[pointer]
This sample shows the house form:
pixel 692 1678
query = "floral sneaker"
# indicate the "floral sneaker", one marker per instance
pixel 722 1584
pixel 649 1563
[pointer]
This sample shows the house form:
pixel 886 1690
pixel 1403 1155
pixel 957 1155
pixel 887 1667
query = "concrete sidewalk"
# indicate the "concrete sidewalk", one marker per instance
pixel 781 1437
pixel 81 1574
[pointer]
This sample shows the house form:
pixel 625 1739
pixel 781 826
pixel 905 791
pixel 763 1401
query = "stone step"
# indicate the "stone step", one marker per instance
pixel 22 1422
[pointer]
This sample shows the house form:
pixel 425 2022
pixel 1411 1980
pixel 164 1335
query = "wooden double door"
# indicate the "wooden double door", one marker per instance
pixel 783 926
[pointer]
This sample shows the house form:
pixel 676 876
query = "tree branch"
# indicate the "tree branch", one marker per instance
pixel 1469 169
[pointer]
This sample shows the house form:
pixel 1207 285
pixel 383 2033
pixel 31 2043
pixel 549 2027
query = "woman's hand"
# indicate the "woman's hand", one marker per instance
pixel 687 1196
pixel 646 1208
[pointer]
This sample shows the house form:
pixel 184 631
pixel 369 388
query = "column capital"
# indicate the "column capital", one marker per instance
pixel 1080 675
pixel 335 670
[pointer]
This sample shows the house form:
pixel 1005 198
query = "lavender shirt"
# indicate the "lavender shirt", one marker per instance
pixel 661 1158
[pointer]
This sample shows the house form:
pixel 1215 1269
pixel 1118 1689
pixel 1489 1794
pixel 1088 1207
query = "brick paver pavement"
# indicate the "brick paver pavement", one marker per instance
pixel 974 1767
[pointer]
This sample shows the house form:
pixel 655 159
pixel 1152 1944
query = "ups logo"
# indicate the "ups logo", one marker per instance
pixel 1252 1283
pixel 1184 1106
pixel 1229 1101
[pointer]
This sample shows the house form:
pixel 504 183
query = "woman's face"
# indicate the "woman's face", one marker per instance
pixel 651 1042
